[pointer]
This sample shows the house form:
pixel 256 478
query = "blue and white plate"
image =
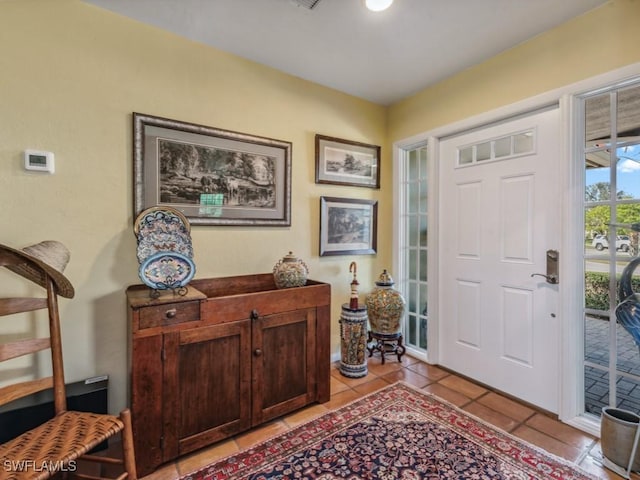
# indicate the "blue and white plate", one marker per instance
pixel 166 270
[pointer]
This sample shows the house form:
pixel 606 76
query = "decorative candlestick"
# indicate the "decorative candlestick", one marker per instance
pixel 353 300
pixel 353 333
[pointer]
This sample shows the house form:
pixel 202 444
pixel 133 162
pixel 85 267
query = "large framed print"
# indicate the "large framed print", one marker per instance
pixel 343 162
pixel 212 176
pixel 348 226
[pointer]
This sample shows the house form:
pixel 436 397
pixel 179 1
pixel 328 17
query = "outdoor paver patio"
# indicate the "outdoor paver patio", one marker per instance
pixel 597 381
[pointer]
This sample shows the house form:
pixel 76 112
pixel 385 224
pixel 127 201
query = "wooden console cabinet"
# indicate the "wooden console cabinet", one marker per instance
pixel 231 354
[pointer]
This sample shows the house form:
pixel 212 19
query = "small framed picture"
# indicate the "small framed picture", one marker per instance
pixel 348 226
pixel 343 162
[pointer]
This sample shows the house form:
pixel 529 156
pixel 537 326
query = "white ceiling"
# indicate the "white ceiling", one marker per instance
pixel 381 57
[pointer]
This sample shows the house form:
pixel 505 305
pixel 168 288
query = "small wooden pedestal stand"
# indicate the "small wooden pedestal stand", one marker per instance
pixel 385 343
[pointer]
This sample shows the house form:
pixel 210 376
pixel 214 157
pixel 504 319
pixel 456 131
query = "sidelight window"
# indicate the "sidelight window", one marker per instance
pixel 413 281
pixel 611 162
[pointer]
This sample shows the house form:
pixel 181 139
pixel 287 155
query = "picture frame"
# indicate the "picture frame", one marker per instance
pixel 212 176
pixel 348 226
pixel 344 162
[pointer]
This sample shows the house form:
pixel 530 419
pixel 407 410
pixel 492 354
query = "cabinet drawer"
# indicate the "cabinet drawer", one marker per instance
pixel 169 314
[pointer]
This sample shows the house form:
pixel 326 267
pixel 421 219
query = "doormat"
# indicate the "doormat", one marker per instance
pixel 398 432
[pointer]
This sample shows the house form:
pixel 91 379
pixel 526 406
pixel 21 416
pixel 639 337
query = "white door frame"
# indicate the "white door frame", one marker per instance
pixel 571 285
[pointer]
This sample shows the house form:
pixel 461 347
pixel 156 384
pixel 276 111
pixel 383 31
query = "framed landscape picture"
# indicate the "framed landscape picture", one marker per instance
pixel 348 226
pixel 343 162
pixel 212 176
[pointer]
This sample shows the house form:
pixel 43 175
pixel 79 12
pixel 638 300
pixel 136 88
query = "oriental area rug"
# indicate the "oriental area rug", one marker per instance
pixel 398 432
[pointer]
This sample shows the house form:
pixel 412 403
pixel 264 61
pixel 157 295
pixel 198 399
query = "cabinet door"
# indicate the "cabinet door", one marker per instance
pixel 207 385
pixel 284 363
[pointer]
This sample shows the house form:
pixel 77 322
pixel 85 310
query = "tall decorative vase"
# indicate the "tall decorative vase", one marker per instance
pixel 353 336
pixel 385 308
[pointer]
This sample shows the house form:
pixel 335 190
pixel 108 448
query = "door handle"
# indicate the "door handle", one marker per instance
pixel 550 278
pixel 552 275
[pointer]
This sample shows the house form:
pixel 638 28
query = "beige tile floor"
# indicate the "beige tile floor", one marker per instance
pixel 520 420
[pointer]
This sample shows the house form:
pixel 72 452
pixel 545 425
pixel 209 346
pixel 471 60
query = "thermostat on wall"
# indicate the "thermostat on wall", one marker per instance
pixel 39 161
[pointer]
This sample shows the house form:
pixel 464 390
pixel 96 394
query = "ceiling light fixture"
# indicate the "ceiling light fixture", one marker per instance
pixel 378 5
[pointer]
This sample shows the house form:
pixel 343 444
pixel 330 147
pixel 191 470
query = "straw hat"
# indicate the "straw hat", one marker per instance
pixel 45 258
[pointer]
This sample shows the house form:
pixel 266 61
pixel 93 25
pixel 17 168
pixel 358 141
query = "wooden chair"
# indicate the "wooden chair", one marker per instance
pixel 54 446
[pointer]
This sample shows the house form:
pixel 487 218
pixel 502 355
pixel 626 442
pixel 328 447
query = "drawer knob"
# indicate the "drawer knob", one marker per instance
pixel 257 352
pixel 171 313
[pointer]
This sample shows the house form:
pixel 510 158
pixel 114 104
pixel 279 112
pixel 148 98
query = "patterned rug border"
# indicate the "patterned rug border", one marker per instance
pixel 509 435
pixel 193 475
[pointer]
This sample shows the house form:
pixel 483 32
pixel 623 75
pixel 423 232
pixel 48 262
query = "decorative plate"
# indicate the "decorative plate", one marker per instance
pixel 157 241
pixel 166 270
pixel 162 229
pixel 171 218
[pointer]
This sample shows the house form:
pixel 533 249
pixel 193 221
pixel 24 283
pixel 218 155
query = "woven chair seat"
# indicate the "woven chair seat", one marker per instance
pixel 52 445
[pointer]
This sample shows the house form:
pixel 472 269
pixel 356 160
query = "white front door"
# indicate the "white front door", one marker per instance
pixel 499 214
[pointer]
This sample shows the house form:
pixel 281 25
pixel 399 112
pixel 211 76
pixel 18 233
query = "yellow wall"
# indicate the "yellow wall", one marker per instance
pixel 71 75
pixel 596 42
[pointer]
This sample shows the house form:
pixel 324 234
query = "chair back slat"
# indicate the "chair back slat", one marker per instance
pixel 23 347
pixel 22 389
pixel 9 306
